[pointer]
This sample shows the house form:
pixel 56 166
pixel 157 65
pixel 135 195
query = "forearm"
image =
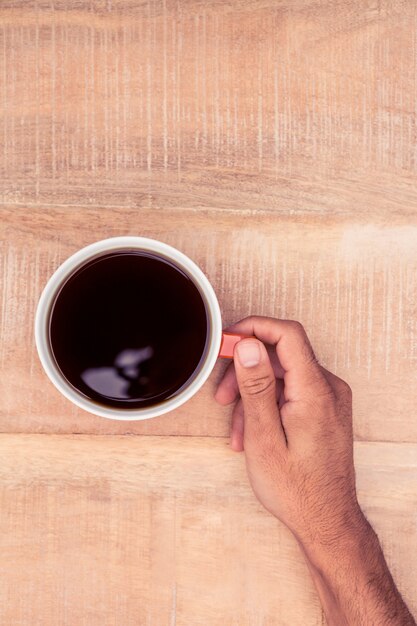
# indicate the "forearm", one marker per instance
pixel 354 583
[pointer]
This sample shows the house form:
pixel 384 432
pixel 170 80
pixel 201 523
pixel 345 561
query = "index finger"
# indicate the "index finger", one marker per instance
pixel 302 374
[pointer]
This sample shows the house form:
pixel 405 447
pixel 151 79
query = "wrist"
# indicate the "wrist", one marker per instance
pixel 356 554
pixel 349 539
pixel 353 581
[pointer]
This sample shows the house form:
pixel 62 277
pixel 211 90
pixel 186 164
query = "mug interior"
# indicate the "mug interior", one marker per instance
pixel 111 246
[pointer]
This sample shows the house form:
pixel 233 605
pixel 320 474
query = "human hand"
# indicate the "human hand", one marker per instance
pixel 294 422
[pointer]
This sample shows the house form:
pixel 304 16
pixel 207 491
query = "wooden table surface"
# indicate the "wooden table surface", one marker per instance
pixel 274 142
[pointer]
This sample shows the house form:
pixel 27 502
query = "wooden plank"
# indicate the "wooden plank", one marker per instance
pixel 352 286
pixel 289 106
pixel 295 125
pixel 165 530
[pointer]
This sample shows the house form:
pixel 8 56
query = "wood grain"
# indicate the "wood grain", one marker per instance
pixel 352 286
pixel 163 531
pixel 273 141
pixel 282 106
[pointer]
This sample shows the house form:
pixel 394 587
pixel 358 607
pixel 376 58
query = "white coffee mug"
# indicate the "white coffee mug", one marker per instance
pixel 220 344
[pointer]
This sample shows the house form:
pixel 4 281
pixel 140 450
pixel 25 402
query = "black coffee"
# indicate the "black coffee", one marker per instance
pixel 129 329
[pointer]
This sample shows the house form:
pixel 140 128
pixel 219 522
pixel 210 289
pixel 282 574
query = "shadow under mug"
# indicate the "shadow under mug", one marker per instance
pixel 220 344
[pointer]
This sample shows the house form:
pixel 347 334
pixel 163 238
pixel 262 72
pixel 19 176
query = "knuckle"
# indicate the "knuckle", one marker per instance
pixel 323 405
pixel 258 386
pixel 297 327
pixel 306 347
pixel 254 318
pixel 317 384
pixel 308 353
pixel 346 390
pixel 341 384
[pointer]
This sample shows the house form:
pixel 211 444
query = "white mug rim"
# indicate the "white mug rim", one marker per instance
pixel 80 258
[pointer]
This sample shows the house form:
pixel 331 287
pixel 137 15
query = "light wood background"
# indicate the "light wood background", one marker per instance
pixel 276 144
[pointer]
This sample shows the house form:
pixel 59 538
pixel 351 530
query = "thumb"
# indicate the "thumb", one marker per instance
pixel 257 386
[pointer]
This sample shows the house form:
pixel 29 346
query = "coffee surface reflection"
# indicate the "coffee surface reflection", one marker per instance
pixel 129 329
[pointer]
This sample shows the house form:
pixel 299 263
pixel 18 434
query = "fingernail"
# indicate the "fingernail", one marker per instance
pixel 248 353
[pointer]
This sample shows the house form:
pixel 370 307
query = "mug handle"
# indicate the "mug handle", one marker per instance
pixel 229 340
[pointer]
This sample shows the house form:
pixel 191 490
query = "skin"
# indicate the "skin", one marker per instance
pixel 293 420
